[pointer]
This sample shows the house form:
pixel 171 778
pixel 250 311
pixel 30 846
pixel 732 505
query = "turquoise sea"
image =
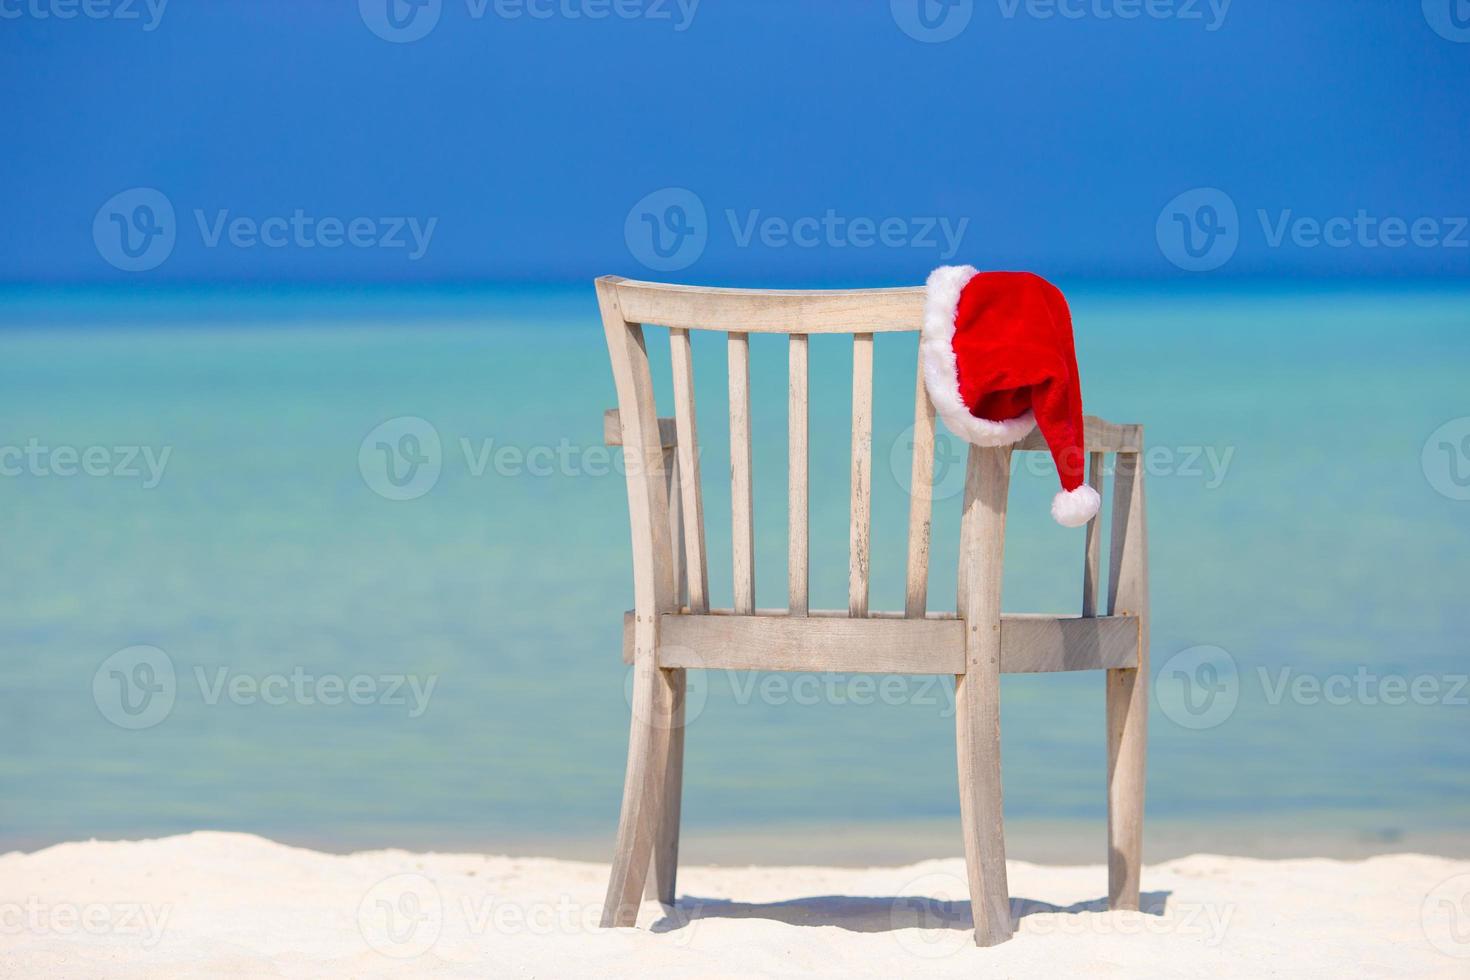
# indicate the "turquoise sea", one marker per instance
pixel 199 474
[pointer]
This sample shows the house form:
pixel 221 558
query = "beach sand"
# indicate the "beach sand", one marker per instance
pixel 234 905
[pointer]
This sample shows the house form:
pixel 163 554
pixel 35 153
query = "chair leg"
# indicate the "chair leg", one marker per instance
pixel 1127 707
pixel 977 727
pixel 661 884
pixel 977 692
pixel 643 789
pixel 1127 690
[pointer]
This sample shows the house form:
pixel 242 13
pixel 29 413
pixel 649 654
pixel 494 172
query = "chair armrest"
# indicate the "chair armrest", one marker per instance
pixel 1101 437
pixel 612 430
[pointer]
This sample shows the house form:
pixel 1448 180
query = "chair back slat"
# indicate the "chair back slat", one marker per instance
pixel 1127 565
pixel 742 527
pixel 798 570
pixel 676 528
pixel 860 510
pixel 1092 546
pixel 697 576
pixel 982 531
pixel 921 493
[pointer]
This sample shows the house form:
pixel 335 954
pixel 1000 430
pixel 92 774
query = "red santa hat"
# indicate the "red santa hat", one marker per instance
pixel 998 360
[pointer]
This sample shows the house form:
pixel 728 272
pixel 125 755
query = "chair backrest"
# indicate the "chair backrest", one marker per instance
pixel 627 305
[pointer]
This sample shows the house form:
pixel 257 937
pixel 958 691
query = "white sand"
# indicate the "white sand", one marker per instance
pixel 232 905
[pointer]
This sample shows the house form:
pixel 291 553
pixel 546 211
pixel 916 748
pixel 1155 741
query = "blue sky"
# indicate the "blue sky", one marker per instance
pixel 549 140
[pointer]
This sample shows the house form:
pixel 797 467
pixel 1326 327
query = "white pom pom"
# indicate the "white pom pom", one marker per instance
pixel 1073 508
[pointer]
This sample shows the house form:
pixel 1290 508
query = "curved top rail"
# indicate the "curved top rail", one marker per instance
pixel 770 310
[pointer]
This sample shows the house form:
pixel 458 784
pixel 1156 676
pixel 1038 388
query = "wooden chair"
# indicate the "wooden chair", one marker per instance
pixel 672 627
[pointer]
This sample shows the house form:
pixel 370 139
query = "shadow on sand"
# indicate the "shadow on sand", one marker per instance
pixel 872 914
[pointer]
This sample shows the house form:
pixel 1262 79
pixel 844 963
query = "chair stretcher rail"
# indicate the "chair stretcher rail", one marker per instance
pixel 1102 436
pixel 885 643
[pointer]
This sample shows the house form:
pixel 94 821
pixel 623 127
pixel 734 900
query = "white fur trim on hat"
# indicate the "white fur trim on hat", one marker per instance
pixel 941 369
pixel 1074 508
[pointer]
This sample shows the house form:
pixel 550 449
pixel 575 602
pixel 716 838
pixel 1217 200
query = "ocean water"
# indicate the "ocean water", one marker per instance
pixel 216 615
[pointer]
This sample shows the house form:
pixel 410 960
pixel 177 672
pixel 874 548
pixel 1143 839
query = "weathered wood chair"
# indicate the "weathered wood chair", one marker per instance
pixel 667 633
